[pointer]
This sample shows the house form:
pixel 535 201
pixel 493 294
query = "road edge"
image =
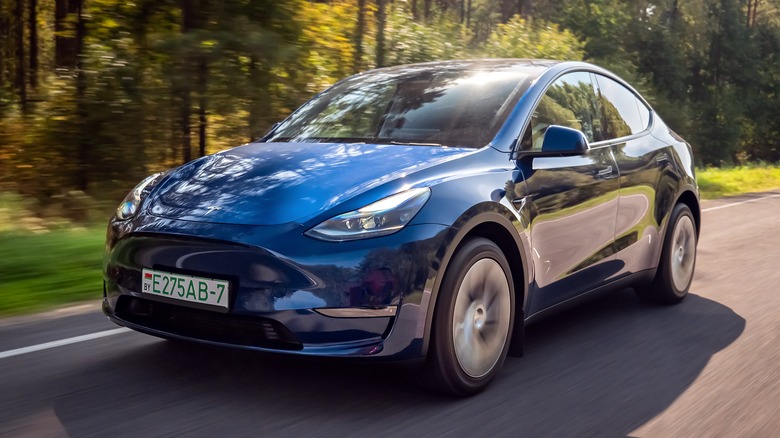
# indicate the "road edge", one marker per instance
pixel 63 311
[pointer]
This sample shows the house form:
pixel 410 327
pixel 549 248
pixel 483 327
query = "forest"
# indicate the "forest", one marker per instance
pixel 96 94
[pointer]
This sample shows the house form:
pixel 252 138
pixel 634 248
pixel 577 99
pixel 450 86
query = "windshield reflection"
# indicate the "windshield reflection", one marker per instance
pixel 461 107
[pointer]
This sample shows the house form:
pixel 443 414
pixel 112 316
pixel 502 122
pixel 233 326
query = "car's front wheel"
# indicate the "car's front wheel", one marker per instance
pixel 473 320
pixel 678 260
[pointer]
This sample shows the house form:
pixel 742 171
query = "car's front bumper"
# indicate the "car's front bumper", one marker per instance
pixel 289 293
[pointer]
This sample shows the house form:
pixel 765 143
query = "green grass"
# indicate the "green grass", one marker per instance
pixel 717 182
pixel 40 271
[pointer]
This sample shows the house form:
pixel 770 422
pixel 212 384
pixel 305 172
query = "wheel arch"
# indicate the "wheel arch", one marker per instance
pixel 688 198
pixel 499 226
pixel 504 240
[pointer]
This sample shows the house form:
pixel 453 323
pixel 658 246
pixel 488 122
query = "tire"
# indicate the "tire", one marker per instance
pixel 473 320
pixel 678 260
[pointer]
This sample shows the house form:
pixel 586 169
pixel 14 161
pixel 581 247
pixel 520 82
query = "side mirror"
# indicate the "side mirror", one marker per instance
pixel 559 140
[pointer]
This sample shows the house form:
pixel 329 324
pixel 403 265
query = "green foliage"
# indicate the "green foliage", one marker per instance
pixel 409 41
pixel 158 78
pixel 729 181
pixel 535 39
pixel 326 50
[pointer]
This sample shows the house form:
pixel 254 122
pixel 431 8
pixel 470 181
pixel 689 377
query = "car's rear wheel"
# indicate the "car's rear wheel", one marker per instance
pixel 473 320
pixel 678 260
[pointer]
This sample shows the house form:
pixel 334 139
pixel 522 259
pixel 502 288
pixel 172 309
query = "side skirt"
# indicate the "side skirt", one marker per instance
pixel 621 283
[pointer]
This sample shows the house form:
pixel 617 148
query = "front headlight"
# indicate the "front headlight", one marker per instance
pixel 383 217
pixel 129 206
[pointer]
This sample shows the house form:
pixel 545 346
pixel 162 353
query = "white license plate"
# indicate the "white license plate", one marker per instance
pixel 198 290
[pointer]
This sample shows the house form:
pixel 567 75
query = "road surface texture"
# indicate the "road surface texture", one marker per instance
pixel 613 367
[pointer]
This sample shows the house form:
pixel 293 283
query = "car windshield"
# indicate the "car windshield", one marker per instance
pixel 461 108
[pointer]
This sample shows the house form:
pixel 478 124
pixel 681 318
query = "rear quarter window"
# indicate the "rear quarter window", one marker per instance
pixel 621 113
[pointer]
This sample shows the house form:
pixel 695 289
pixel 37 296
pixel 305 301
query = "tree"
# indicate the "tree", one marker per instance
pixel 21 72
pixel 122 89
pixel 84 143
pixel 359 32
pixel 64 33
pixel 519 38
pixel 32 24
pixel 381 21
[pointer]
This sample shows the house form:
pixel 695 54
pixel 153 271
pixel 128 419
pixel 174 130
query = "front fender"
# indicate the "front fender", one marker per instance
pixel 491 220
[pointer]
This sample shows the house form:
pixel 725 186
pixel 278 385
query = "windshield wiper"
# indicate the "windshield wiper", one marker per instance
pixel 412 143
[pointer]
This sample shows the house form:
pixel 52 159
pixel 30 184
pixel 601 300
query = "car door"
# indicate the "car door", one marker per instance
pixel 642 159
pixel 572 200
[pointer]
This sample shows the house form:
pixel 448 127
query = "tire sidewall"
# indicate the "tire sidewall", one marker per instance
pixel 443 355
pixel 666 279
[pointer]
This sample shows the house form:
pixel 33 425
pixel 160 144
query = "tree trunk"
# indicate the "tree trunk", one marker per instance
pixel 84 142
pixel 173 144
pixel 184 91
pixel 65 51
pixel 752 11
pixel 673 14
pixel 20 82
pixel 508 9
pixel 203 73
pixel 357 63
pixel 60 13
pixel 415 13
pixel 381 21
pixel 203 70
pixel 755 13
pixel 32 22
pixel 525 8
pixel 254 101
pixel 251 114
pixel 185 126
pixel 427 10
pixel 4 36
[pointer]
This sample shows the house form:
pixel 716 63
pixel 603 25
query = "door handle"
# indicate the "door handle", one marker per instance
pixel 663 158
pixel 603 173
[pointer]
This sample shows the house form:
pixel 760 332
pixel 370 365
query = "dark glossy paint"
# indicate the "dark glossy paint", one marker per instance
pixel 298 180
pixel 567 225
pixel 573 240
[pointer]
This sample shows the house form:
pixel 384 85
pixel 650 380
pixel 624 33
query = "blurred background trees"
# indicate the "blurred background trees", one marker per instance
pixel 95 94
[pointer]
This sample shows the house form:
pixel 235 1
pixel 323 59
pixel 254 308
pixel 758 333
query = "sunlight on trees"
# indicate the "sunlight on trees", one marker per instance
pixel 95 94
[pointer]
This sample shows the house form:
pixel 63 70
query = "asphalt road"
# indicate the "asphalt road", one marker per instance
pixel 614 367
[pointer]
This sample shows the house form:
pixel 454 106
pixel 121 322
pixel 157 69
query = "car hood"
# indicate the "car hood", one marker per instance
pixel 276 183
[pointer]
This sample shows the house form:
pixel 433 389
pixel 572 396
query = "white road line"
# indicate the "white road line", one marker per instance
pixel 739 203
pixel 61 342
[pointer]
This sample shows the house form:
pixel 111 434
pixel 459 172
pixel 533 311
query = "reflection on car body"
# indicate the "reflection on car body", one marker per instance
pixel 426 211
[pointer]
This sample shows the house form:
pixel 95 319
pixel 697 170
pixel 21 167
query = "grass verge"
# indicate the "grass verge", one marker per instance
pixel 718 182
pixel 40 271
